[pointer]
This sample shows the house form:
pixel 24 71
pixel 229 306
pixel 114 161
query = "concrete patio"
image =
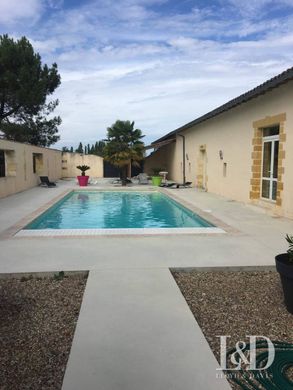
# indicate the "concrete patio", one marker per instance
pixel 135 330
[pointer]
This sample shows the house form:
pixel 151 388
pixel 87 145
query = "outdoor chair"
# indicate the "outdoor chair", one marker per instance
pixel 143 178
pixel 180 185
pixel 119 181
pixel 167 184
pixel 46 182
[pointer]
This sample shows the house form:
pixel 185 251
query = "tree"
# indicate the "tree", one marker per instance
pixel 123 146
pixel 25 85
pixel 80 148
pixel 99 148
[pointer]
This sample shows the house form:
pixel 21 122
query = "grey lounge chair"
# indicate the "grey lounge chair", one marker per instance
pixel 46 182
pixel 143 178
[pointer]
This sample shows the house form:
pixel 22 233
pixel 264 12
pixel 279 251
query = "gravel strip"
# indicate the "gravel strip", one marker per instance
pixel 38 319
pixel 236 304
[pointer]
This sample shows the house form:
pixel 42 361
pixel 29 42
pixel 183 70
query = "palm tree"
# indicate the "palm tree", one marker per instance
pixel 123 146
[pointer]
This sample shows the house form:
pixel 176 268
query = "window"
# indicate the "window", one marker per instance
pixel 270 162
pixel 270 131
pixel 2 164
pixel 225 169
pixel 37 163
pixel 34 163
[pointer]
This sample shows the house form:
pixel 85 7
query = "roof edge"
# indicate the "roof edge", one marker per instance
pixel 261 89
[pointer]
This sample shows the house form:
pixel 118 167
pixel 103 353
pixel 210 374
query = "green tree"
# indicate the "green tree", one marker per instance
pixel 80 148
pixel 123 146
pixel 99 148
pixel 25 84
pixel 71 149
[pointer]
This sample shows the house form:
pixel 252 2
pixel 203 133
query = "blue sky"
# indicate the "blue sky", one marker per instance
pixel 160 63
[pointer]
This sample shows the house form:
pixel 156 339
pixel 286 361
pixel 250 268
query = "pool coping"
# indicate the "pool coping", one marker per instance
pixel 209 217
pixel 17 231
pixel 115 232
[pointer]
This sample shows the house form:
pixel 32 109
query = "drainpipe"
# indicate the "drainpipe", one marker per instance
pixel 183 161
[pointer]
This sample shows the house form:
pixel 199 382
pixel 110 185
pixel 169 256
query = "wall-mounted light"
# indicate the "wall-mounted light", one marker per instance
pixel 221 154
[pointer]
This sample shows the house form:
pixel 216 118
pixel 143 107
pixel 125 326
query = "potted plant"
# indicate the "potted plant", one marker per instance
pixel 83 179
pixel 284 265
pixel 156 178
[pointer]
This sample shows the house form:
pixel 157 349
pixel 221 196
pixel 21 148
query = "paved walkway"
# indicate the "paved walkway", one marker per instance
pixel 135 330
pixel 136 333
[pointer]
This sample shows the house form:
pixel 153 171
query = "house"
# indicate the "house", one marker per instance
pixel 242 150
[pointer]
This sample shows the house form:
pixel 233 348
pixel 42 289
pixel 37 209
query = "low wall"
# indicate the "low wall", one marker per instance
pixel 162 158
pixel 71 160
pixel 24 164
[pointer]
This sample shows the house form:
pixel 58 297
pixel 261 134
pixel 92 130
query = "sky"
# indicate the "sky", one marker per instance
pixel 159 63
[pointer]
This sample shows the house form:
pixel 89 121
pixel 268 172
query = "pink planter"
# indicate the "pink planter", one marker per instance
pixel 83 180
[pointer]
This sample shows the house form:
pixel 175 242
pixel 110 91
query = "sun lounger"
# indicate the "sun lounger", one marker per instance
pixel 119 181
pixel 46 182
pixel 167 184
pixel 180 185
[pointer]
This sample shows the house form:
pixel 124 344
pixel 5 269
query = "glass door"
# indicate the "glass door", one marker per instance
pixel 270 167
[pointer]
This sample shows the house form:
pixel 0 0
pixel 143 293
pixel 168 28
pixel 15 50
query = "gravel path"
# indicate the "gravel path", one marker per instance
pixel 236 304
pixel 38 319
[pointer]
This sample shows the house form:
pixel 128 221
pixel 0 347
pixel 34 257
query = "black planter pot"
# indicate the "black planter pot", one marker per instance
pixel 285 269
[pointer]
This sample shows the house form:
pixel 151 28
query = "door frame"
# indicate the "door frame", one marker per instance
pixel 272 140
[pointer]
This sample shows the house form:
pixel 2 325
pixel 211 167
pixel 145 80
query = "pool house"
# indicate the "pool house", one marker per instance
pixel 242 150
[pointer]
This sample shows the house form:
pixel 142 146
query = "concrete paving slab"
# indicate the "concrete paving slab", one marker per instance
pixel 136 332
pixel 51 254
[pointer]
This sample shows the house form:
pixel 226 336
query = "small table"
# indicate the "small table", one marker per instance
pixel 164 174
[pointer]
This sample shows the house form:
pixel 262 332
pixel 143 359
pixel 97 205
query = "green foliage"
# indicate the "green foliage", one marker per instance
pixel 66 149
pixel 156 171
pixel 98 148
pixel 289 239
pixel 36 131
pixel 25 84
pixel 123 146
pixel 59 276
pixel 80 148
pixel 26 278
pixel 83 169
pixel 95 149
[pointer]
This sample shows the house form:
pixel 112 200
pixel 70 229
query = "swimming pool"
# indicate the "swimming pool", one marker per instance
pixel 117 210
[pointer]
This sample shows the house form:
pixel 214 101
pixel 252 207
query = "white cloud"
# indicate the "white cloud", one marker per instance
pixel 129 60
pixel 55 4
pixel 12 11
pixel 256 7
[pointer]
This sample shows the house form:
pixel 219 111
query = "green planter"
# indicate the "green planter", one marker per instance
pixel 156 180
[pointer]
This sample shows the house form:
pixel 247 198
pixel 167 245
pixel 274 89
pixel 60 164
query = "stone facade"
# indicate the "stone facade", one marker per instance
pixel 256 155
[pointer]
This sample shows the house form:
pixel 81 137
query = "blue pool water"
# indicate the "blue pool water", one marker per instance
pixel 108 210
